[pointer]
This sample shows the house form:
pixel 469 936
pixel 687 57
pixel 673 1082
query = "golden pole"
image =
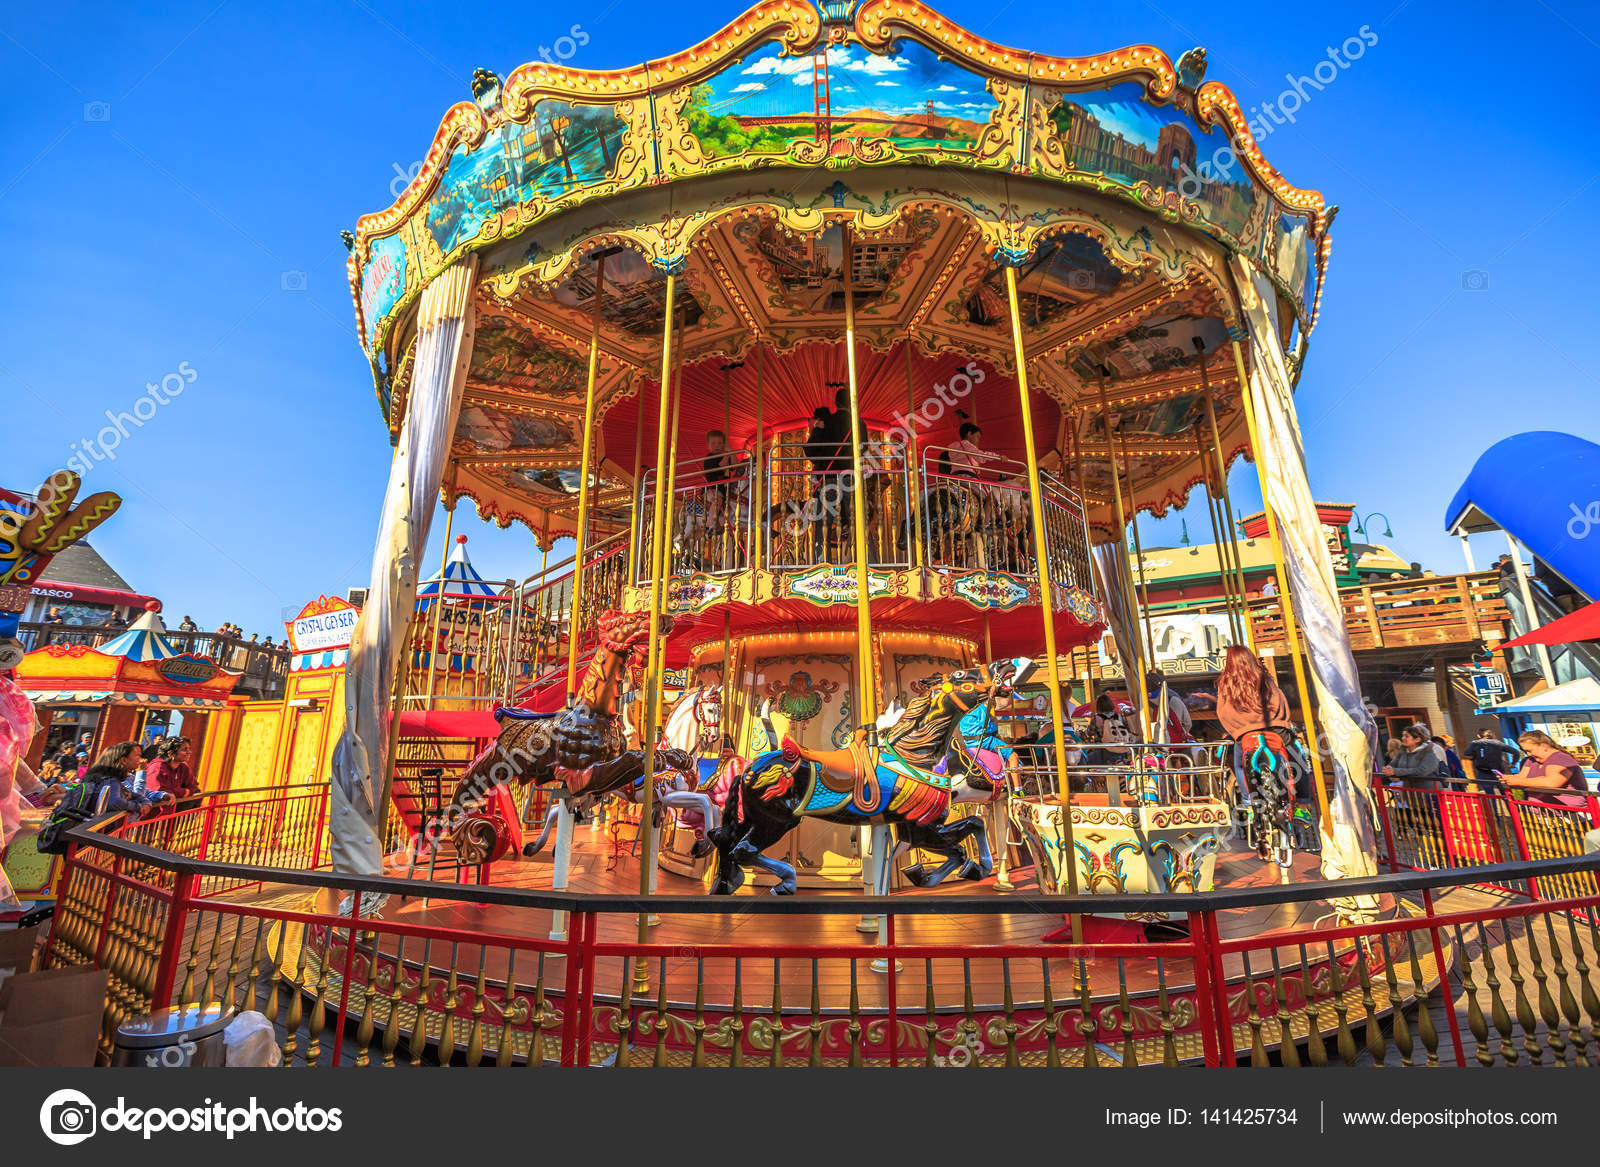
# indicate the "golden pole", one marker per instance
pixel 1291 631
pixel 638 468
pixel 1046 600
pixel 1127 578
pixel 758 518
pixel 1224 568
pixel 868 714
pixel 438 605
pixel 915 534
pixel 1227 505
pixel 583 476
pixel 1138 555
pixel 654 660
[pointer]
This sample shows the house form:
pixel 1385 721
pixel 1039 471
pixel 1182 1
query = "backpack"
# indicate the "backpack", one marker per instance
pixel 78 805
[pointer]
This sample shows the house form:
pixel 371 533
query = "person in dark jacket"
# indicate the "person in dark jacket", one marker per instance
pixel 113 772
pixel 1418 765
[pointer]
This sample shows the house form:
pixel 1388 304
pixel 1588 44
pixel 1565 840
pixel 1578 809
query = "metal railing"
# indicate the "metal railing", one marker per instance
pixel 947 983
pixel 265 668
pixel 1131 771
pixel 955 518
pixel 711 520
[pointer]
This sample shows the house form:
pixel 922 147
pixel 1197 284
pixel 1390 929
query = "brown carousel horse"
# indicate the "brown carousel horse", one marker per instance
pixel 584 748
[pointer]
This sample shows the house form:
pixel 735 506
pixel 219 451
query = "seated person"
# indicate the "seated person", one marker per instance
pixel 1549 774
pixel 113 772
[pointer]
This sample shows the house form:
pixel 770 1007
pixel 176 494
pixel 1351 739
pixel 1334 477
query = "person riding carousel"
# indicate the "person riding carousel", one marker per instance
pixel 1254 712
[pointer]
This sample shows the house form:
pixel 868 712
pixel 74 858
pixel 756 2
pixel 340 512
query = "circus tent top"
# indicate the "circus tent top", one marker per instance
pixel 459 580
pixel 1121 185
pixel 145 640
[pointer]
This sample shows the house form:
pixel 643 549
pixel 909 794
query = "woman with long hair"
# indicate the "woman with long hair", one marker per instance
pixel 113 771
pixel 170 772
pixel 1248 698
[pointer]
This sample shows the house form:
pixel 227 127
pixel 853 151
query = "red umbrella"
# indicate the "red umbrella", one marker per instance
pixel 1584 624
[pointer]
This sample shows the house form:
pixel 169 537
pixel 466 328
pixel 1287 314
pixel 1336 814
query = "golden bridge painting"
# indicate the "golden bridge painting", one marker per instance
pixel 769 100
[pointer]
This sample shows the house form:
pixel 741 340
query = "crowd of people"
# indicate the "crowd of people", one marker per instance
pixel 129 776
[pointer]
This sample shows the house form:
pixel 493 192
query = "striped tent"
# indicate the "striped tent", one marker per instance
pixel 459 580
pixel 145 641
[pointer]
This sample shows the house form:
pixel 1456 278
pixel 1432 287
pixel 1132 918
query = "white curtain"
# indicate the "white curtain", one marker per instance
pixel 361 758
pixel 1347 728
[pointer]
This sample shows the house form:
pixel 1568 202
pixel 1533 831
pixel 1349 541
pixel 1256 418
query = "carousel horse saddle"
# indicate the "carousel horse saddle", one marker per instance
pixel 511 713
pixel 851 771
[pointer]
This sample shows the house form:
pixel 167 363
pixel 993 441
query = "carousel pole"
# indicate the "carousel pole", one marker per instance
pixel 438 605
pixel 1291 631
pixel 1138 555
pixel 914 535
pixel 728 506
pixel 1226 501
pixel 1224 567
pixel 1046 598
pixel 758 523
pixel 652 681
pixel 583 475
pixel 638 464
pixel 1127 578
pixel 867 715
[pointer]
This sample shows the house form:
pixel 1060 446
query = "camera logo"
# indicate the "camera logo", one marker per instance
pixel 67 1117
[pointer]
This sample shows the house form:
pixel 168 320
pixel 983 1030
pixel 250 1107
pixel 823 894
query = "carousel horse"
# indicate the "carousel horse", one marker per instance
pixel 1274 800
pixel 696 803
pixel 584 748
pixel 895 784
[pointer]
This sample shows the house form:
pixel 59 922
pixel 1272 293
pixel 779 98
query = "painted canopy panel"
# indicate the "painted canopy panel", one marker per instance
pixel 878 83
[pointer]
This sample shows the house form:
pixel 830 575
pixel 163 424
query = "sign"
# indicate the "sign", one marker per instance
pixel 187 669
pixel 694 594
pixel 1186 644
pixel 1489 684
pixel 824 586
pixel 323 624
pixel 989 590
pixel 1340 554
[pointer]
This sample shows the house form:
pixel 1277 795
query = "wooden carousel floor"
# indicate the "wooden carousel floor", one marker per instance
pixel 597 868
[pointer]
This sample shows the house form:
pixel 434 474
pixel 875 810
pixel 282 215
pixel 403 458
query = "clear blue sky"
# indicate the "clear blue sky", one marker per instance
pixel 235 141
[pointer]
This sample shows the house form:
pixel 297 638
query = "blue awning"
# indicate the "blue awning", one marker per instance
pixel 1544 488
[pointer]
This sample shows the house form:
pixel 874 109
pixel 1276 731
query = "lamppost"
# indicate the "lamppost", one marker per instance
pixel 1361 523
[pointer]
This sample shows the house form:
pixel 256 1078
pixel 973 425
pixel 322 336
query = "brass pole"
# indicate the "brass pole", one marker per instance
pixel 438 605
pixel 1138 555
pixel 1227 508
pixel 1291 631
pixel 1224 569
pixel 915 534
pixel 1046 600
pixel 758 518
pixel 1121 536
pixel 638 468
pixel 868 713
pixel 583 474
pixel 652 681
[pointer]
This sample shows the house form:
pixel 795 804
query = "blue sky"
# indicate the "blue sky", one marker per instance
pixel 172 185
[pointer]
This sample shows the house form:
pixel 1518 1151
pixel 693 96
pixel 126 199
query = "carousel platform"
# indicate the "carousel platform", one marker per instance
pixel 991 1000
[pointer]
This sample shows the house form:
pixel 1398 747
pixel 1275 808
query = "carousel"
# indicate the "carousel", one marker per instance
pixel 847 348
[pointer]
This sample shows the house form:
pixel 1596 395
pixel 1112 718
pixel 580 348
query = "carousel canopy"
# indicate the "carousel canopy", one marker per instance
pixel 459 580
pixel 146 640
pixel 801 144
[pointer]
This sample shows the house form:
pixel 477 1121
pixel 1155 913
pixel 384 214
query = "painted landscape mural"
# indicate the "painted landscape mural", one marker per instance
pixel 769 101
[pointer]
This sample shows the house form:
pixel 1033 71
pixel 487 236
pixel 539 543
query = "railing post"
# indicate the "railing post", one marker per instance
pixel 203 847
pixel 172 939
pixel 1382 800
pixel 1515 807
pixel 112 886
pixel 349 964
pixel 1217 980
pixel 585 1007
pixel 572 991
pixel 1205 1004
pixel 894 989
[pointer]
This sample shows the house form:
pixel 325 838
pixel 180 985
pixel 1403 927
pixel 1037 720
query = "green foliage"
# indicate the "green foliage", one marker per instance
pixel 727 135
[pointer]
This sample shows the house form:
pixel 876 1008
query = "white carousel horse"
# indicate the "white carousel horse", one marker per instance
pixel 685 730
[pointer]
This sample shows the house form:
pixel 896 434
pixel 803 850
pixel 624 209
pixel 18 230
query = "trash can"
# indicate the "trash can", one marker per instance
pixel 173 1038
